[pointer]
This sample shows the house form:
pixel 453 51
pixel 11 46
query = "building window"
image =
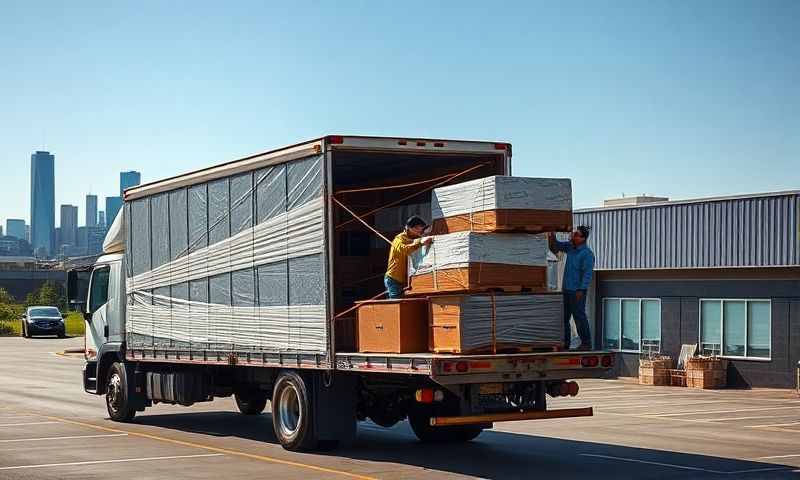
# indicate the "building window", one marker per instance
pixel 632 324
pixel 736 328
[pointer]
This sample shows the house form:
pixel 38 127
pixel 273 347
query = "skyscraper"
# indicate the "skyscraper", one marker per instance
pixel 101 219
pixel 69 226
pixel 43 204
pixel 15 227
pixel 91 210
pixel 128 180
pixel 113 204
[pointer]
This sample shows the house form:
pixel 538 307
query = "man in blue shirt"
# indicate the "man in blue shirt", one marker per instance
pixel 577 276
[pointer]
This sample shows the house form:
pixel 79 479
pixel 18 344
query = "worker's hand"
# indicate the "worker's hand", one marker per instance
pixel 426 240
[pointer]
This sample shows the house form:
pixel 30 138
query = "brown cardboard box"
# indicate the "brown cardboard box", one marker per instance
pixel 393 326
pixel 508 220
pixel 479 276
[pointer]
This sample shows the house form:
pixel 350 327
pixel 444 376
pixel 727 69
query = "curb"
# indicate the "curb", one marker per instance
pixel 74 350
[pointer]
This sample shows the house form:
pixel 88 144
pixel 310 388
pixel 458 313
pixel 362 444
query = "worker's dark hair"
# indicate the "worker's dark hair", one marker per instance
pixel 415 221
pixel 585 231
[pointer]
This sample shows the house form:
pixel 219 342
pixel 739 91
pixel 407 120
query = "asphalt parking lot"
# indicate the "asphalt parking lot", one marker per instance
pixel 49 428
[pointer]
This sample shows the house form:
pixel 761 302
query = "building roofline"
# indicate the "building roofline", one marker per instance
pixel 782 193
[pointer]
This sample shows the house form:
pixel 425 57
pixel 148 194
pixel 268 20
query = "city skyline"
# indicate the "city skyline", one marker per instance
pixel 43 207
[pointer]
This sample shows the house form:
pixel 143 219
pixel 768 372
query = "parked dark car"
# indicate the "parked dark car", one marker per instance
pixel 43 321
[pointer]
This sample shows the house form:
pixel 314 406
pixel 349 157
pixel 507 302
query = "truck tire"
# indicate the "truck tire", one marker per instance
pixel 292 413
pixel 250 403
pixel 118 394
pixel 420 421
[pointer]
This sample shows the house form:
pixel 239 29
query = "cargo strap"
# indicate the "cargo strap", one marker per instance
pixel 446 179
pixel 494 324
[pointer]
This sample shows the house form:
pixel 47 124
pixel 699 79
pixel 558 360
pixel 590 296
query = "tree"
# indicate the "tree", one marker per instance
pixel 6 298
pixel 50 294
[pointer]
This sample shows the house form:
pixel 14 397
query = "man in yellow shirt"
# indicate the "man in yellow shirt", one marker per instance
pixel 406 242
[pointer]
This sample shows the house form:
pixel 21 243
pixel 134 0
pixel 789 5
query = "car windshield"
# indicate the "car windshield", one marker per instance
pixel 44 312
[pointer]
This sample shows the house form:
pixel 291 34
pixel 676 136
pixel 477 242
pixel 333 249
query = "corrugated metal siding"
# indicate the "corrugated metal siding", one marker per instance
pixel 739 232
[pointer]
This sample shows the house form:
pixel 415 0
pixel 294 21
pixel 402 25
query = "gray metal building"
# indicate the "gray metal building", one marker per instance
pixel 722 273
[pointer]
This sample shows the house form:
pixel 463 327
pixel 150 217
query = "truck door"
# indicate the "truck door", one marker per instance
pixel 97 311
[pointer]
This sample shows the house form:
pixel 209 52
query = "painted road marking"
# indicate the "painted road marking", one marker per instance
pixel 775 457
pixel 120 460
pixel 25 424
pixel 685 467
pixel 761 409
pixel 775 425
pixel 71 437
pixel 224 451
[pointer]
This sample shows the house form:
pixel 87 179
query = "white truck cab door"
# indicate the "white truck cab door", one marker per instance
pixel 97 306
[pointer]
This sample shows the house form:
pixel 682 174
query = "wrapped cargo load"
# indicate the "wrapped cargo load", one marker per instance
pixel 503 204
pixel 478 323
pixel 230 264
pixel 466 261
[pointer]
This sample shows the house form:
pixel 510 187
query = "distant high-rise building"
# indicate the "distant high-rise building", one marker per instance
pixel 15 227
pixel 1 232
pixel 69 226
pixel 91 210
pixel 101 219
pixel 128 180
pixel 43 203
pixel 113 204
pixel 27 233
pixel 90 240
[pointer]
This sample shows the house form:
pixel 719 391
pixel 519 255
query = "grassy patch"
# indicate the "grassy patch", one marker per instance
pixel 10 328
pixel 75 324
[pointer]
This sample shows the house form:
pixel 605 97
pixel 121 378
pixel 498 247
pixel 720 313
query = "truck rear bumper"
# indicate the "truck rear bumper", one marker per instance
pixel 511 417
pixel 90 377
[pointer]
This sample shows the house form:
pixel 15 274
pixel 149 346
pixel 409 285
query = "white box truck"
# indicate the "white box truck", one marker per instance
pixel 238 280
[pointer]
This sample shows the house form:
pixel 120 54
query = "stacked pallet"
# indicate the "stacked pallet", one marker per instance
pixel 655 371
pixel 483 280
pixel 705 373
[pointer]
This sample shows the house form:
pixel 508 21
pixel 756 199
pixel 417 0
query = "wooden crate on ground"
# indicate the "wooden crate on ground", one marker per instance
pixel 655 371
pixel 393 326
pixel 706 373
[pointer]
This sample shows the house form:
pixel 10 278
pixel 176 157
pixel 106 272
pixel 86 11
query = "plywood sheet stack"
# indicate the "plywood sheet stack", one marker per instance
pixel 489 256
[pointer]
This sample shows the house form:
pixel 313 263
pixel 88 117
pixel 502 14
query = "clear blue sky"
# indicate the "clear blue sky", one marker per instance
pixel 676 98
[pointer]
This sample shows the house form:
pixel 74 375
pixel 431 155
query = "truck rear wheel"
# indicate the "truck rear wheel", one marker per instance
pixel 420 421
pixel 118 394
pixel 292 413
pixel 250 403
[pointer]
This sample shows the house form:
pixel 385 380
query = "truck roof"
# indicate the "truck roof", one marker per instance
pixel 311 147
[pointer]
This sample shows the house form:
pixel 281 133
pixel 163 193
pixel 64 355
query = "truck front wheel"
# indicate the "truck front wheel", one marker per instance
pixel 420 421
pixel 292 413
pixel 118 394
pixel 251 403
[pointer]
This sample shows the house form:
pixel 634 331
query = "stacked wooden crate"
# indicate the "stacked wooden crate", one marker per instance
pixel 706 372
pixel 655 371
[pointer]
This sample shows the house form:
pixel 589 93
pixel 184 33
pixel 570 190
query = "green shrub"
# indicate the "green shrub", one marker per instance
pixel 7 328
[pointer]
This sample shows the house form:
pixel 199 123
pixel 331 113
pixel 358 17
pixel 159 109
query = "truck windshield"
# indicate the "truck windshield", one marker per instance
pixel 45 312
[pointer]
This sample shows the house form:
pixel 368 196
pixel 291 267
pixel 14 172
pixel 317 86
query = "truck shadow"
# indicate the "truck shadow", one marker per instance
pixel 494 455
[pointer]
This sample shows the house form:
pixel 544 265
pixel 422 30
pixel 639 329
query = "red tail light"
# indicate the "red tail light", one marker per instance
pixel 438 144
pixel 590 361
pixel 563 389
pixel 335 139
pixel 462 367
pixel 573 388
pixel 607 361
pixel 424 395
pixel 500 146
pixel 420 144
pixel 402 142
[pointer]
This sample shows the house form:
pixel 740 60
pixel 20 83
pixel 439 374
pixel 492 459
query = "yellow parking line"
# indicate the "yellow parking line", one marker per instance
pixel 214 449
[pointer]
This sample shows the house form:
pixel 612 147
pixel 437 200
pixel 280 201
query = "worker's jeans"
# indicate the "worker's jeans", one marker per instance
pixel 394 289
pixel 576 309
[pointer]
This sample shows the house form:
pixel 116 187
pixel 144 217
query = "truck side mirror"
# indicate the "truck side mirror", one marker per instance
pixel 78 288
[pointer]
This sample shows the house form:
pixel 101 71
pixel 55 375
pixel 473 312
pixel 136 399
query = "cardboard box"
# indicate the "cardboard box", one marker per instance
pixel 484 323
pixel 393 326
pixel 503 204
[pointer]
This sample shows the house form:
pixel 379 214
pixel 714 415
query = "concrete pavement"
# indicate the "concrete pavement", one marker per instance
pixel 50 428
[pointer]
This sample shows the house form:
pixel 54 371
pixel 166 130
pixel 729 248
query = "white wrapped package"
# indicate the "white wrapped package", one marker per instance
pixel 472 323
pixel 459 249
pixel 502 193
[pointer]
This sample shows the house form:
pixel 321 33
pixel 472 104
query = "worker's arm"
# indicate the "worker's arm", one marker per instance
pixel 407 248
pixel 556 246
